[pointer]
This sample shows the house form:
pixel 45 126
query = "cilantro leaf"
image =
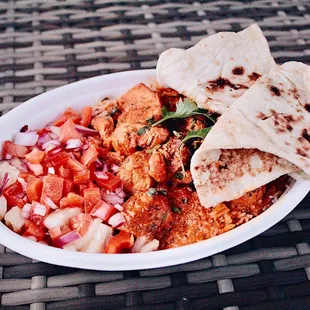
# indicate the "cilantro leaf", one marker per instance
pixel 176 210
pixel 184 109
pixel 152 191
pixel 142 130
pixel 201 133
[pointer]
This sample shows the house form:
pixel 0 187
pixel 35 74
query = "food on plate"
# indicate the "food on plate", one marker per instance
pixel 153 170
pixel 263 135
pixel 218 69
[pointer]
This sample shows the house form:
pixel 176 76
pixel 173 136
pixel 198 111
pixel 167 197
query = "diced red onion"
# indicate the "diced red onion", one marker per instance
pixel 5 180
pixel 139 243
pixel 119 191
pixel 48 145
pixel 55 150
pixel 44 138
pixel 32 238
pixel 85 146
pixel 118 207
pixel 99 164
pixel 105 168
pixel 23 167
pixel 39 209
pixel 112 198
pixel 116 220
pixel 73 143
pixel 26 210
pixel 53 136
pixel 26 138
pixel 23 183
pixel 149 247
pixel 86 131
pixel 8 156
pixel 37 169
pixel 101 175
pixel 67 238
pixel 49 202
pixel 55 130
pixel 51 170
pixel 115 168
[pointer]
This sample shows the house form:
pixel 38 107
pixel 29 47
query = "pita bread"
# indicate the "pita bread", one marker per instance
pixel 263 135
pixel 218 69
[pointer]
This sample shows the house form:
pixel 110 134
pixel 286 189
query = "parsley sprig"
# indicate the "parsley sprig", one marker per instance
pixel 184 109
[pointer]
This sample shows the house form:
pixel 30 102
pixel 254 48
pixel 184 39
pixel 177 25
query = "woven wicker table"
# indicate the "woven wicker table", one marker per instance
pixel 45 44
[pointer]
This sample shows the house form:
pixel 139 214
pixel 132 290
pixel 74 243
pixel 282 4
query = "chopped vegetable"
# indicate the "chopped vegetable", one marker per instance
pixel 26 138
pixel 59 231
pixel 86 116
pixel 34 188
pixel 52 188
pixel 35 156
pixel 120 243
pixel 72 200
pixel 103 210
pixel 60 217
pixel 68 114
pixel 14 195
pixel 35 231
pixel 91 198
pixel 111 184
pixel 68 131
pixel 13 219
pixel 10 150
pixel 3 207
pixel 201 134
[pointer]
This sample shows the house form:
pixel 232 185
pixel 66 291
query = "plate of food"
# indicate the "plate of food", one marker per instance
pixel 152 168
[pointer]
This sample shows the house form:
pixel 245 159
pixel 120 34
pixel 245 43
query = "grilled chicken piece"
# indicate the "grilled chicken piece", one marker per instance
pixel 194 123
pixel 105 126
pixel 141 103
pixel 158 168
pixel 169 97
pixel 134 173
pixel 146 215
pixel 194 223
pixel 152 137
pixel 106 107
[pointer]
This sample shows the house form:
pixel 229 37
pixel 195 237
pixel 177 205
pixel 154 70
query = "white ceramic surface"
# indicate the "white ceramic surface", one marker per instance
pixel 40 110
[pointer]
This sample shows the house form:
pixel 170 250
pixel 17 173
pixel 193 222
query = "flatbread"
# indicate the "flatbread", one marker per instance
pixel 263 135
pixel 218 69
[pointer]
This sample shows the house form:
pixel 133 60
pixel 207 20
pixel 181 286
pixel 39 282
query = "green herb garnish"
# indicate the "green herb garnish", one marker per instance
pixel 179 176
pixel 150 121
pixel 152 191
pixel 163 191
pixel 184 109
pixel 142 130
pixel 201 133
pixel 155 148
pixel 176 210
pixel 165 216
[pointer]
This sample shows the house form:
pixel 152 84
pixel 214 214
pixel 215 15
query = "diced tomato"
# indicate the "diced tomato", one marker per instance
pixel 102 151
pixel 89 156
pixel 80 223
pixel 91 198
pixel 68 114
pixel 68 131
pixel 38 219
pixel 103 210
pixel 86 116
pixel 34 188
pixel 80 172
pixel 68 187
pixel 64 172
pixel 37 169
pixel 14 150
pixel 59 159
pixel 25 175
pixel 35 231
pixel 120 243
pixel 76 166
pixel 14 195
pixel 35 156
pixel 112 183
pixel 52 188
pixel 72 200
pixel 59 231
pixel 77 155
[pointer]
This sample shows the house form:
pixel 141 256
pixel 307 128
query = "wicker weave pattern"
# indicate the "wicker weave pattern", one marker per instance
pixel 48 43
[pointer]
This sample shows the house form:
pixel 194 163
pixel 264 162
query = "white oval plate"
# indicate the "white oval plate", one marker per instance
pixel 38 111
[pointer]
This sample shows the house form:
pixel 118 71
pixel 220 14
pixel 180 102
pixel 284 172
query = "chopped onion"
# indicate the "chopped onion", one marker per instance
pixel 99 164
pixel 67 238
pixel 3 207
pixel 44 138
pixel 116 220
pixel 105 168
pixel 37 169
pixel 73 143
pixel 50 203
pixel 115 168
pixel 55 150
pixel 70 247
pixel 26 138
pixel 39 209
pixel 112 198
pixel 26 210
pixel 149 247
pixel 51 170
pixel 60 217
pixel 86 131
pixel 23 183
pixel 118 207
pixel 5 181
pixel 55 130
pixel 139 243
pixel 13 219
pixel 8 156
pixel 48 145
pixel 119 192
pixel 101 175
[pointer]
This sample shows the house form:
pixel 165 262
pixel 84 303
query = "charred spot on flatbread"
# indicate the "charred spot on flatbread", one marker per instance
pixel 275 91
pixel 301 152
pixel 221 83
pixel 238 70
pixel 254 76
pixel 307 107
pixel 305 135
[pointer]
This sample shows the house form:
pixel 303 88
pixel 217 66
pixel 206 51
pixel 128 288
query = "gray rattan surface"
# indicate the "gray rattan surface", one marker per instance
pixel 45 44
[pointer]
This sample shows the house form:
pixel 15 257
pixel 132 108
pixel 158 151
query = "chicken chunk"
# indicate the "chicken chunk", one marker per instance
pixel 105 107
pixel 141 97
pixel 146 215
pixel 194 223
pixel 169 97
pixel 194 123
pixel 134 173
pixel 154 136
pixel 105 126
pixel 158 167
pixel 125 138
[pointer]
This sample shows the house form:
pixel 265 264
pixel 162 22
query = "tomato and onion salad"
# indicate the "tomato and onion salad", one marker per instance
pixel 56 189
